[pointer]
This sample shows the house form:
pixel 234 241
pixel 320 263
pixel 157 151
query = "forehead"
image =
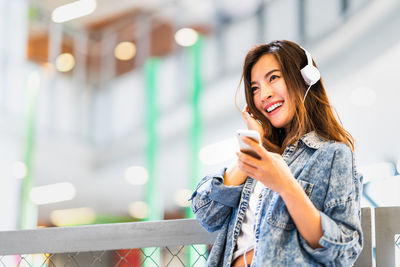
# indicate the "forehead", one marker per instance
pixel 264 64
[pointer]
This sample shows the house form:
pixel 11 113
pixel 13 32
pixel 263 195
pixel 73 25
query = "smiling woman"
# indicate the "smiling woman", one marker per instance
pixel 286 59
pixel 299 202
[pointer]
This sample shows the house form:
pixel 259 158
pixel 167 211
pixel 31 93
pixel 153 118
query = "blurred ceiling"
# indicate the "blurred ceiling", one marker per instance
pixel 139 22
pixel 105 8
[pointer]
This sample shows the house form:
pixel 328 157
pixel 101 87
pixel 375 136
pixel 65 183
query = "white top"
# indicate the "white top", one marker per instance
pixel 247 238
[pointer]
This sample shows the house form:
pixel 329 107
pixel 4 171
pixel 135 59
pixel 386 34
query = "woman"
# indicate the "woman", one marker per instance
pixel 299 205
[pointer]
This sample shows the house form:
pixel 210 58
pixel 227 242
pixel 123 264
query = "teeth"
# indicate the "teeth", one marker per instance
pixel 274 106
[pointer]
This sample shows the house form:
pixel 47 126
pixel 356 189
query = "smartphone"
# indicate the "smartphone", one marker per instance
pixel 253 134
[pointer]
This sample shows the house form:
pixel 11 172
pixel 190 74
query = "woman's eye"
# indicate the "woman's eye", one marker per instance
pixel 273 77
pixel 254 89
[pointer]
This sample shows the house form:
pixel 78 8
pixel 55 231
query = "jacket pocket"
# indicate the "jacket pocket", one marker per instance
pixel 277 213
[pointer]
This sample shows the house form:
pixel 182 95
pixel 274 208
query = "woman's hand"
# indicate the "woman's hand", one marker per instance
pixel 274 173
pixel 251 122
pixel 234 175
pixel 271 169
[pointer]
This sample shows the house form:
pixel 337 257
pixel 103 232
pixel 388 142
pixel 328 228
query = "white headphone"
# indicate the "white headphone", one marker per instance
pixel 310 73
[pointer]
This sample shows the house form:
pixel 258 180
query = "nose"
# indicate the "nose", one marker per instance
pixel 266 93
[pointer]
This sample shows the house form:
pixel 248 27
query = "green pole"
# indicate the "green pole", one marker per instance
pixel 196 127
pixel 28 210
pixel 152 192
pixel 195 53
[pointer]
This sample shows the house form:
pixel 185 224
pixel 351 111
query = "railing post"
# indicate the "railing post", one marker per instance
pixel 366 257
pixel 387 225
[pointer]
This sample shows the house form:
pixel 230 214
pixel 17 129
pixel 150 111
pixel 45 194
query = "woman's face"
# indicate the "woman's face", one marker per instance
pixel 270 94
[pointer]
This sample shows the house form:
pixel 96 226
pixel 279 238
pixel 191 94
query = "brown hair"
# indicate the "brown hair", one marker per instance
pixel 315 114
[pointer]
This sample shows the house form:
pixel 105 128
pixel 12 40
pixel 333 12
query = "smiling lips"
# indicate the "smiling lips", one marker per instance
pixel 273 106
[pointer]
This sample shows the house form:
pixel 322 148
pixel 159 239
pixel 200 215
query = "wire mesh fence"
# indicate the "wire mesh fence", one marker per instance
pixel 179 256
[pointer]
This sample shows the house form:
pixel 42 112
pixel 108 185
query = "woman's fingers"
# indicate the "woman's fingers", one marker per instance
pixel 251 122
pixel 245 108
pixel 260 150
pixel 246 113
pixel 247 117
pixel 249 170
pixel 249 160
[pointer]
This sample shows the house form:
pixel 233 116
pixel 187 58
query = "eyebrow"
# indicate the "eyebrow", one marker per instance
pixel 266 75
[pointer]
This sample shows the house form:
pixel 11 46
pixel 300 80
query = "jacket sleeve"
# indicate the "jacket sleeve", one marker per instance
pixel 213 201
pixel 341 216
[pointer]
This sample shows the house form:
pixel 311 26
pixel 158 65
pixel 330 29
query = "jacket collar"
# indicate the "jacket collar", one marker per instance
pixel 313 140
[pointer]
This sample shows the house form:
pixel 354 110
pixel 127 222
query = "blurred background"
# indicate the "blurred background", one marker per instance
pixel 111 111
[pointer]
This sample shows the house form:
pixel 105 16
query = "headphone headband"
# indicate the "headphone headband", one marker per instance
pixel 308 55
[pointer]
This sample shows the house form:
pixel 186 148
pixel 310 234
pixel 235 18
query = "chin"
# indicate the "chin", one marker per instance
pixel 279 125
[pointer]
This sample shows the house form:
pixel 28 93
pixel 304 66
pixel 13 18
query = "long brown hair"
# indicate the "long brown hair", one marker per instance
pixel 315 114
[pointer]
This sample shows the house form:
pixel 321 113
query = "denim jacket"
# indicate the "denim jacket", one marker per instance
pixel 326 171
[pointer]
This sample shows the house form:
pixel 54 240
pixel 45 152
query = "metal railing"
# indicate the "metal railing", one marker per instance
pixel 165 243
pixel 157 243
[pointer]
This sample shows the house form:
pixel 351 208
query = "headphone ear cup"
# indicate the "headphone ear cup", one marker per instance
pixel 310 74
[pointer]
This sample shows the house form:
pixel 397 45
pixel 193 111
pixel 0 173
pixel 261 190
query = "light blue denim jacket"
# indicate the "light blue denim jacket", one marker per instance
pixel 326 170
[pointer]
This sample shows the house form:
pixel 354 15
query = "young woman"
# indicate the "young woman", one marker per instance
pixel 299 204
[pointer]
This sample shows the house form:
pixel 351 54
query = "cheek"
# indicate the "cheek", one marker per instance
pixel 257 102
pixel 282 89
